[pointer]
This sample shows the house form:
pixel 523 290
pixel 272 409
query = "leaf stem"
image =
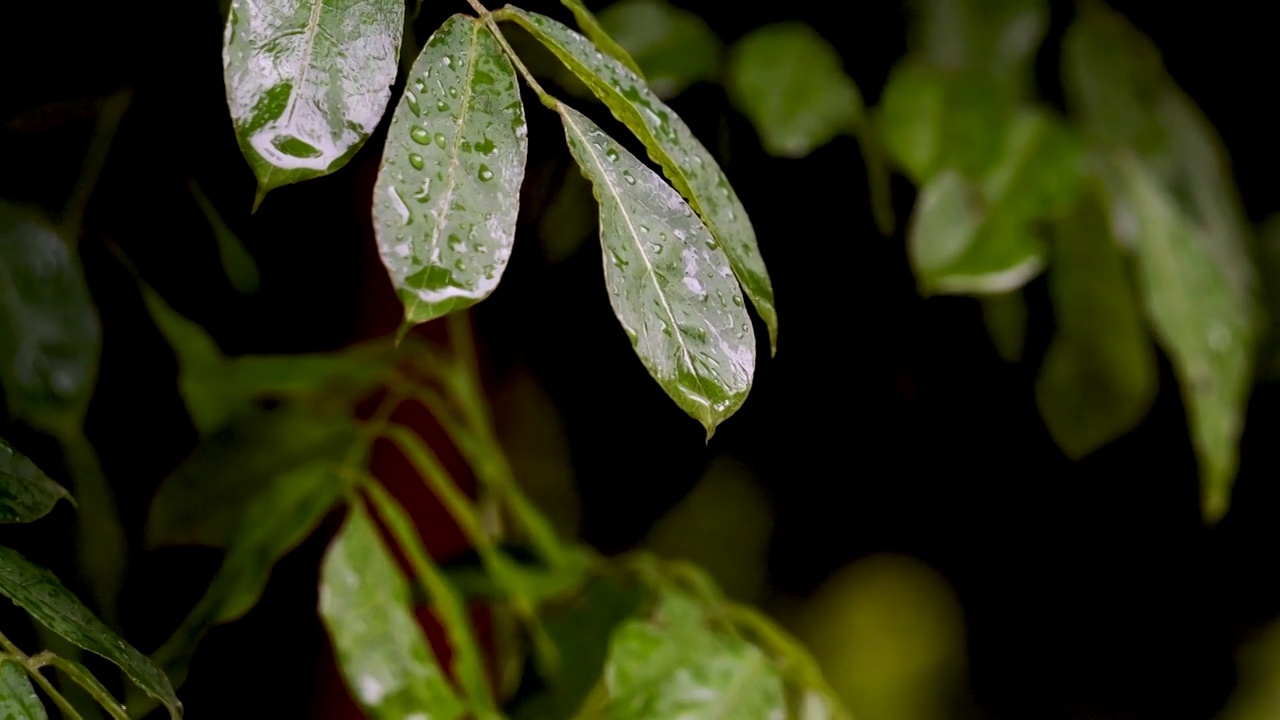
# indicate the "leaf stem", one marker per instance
pixel 102 539
pixel 86 682
pixel 488 18
pixel 104 131
pixel 33 670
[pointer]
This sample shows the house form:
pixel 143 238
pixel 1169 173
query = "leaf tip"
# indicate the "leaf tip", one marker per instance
pixel 1215 501
pixel 403 331
pixel 258 197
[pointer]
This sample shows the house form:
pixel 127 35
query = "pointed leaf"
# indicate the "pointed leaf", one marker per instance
pixel 1005 315
pixel 592 28
pixel 672 665
pixel 26 493
pixel 384 657
pixel 669 282
pixel 1204 325
pixel 669 141
pixel 448 191
pixel 789 81
pixel 37 591
pixel 49 334
pixel 673 47
pixel 307 81
pixel 237 263
pixel 18 700
pixel 1099 375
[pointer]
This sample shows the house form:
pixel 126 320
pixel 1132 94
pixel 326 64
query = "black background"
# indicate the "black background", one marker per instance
pixel 885 422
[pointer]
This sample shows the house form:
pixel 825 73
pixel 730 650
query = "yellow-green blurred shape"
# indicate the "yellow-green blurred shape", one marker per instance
pixel 1257 692
pixel 723 526
pixel 530 430
pixel 889 634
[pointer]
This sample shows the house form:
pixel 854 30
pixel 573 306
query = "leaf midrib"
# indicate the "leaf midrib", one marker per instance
pixel 313 26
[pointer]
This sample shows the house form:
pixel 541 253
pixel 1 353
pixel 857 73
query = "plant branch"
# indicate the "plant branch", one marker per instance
pixel 488 18
pixel 33 671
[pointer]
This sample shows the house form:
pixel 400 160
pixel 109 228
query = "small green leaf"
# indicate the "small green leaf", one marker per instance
pixel 669 282
pixel 203 500
pixel 1200 319
pixel 448 190
pixel 670 143
pixel 672 665
pixel 789 81
pixel 37 591
pixel 592 28
pixel 26 493
pixel 384 657
pixel 237 263
pixel 1005 315
pixel 673 47
pixel 998 38
pixel 18 700
pixel 307 81
pixel 49 334
pixel 1099 375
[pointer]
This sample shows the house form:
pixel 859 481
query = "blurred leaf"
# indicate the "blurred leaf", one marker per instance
pixel 448 187
pixel 364 602
pixel 532 434
pixel 237 263
pixel 723 526
pixel 1040 171
pixel 690 167
pixel 888 631
pixel 1202 323
pixel 672 664
pixel 998 38
pixel 307 82
pixel 669 282
pixel 203 501
pixel 37 591
pixel 673 47
pixel 1005 315
pixel 789 81
pixel 49 334
pixel 1269 271
pixel 599 36
pixel 1099 376
pixel 1257 692
pixel 26 493
pixel 569 219
pixel 18 700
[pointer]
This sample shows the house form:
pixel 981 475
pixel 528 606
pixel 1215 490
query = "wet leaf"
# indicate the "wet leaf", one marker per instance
pixel 49 334
pixel 690 167
pixel 789 81
pixel 26 493
pixel 669 282
pixel 1099 375
pixel 18 700
pixel 672 665
pixel 1199 318
pixel 602 39
pixel 307 81
pixel 37 591
pixel 237 263
pixel 448 190
pixel 203 500
pixel 673 47
pixel 384 657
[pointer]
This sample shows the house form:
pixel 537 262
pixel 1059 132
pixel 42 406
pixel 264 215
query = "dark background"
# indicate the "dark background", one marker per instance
pixel 885 422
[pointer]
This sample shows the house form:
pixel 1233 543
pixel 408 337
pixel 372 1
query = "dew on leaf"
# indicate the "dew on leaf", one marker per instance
pixel 416 161
pixel 420 136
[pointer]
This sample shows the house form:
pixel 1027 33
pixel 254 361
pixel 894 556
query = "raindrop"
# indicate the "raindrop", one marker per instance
pixel 440 140
pixel 737 300
pixel 453 91
pixel 644 228
pixel 442 106
pixel 480 248
pixel 460 265
pixel 485 173
pixel 626 175
pixel 412 101
pixel 420 136
pixel 612 155
pixel 655 248
pixel 416 161
pixel 447 60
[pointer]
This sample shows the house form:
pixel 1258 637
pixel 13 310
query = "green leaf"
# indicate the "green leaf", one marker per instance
pixel 789 81
pixel 670 143
pixel 673 47
pixel 364 603
pixel 37 591
pixel 1099 376
pixel 49 334
pixel 26 493
pixel 237 263
pixel 599 36
pixel 307 81
pixel 1005 315
pixel 18 700
pixel 1207 329
pixel 672 665
pixel 998 38
pixel 203 500
pixel 448 190
pixel 669 281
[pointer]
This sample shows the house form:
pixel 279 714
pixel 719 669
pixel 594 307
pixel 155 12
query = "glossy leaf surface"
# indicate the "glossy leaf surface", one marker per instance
pixel 673 47
pixel 37 591
pixel 789 81
pixel 382 653
pixel 18 700
pixel 1099 376
pixel 601 37
pixel 670 284
pixel 26 493
pixel 448 190
pixel 49 334
pixel 670 143
pixel 672 665
pixel 307 81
